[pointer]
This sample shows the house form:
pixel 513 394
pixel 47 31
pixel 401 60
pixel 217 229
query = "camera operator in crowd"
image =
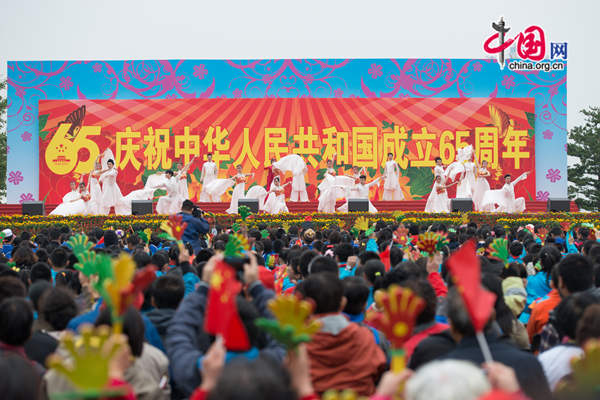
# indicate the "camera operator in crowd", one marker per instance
pixel 196 227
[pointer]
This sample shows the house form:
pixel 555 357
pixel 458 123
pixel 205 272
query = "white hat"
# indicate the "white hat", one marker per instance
pixel 7 233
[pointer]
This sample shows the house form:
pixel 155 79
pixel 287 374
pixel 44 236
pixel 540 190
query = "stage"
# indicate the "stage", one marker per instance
pixel 310 206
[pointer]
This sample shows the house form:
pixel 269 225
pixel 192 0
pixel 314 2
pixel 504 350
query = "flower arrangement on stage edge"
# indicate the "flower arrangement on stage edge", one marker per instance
pixel 78 223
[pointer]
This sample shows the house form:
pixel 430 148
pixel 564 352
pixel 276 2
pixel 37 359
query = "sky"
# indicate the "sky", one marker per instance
pixel 250 29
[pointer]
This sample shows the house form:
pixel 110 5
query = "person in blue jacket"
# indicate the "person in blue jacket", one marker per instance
pixel 196 225
pixel 187 342
pixel 538 285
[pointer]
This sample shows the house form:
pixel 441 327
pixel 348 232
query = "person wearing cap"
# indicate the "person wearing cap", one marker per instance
pixel 7 246
pixel 309 237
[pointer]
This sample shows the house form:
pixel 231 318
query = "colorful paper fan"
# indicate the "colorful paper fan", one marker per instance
pixel 145 235
pixel 370 231
pixel 87 364
pixel 125 287
pixel 291 325
pixel 237 246
pixel 98 266
pixel 397 320
pixel 173 227
pixel 402 231
pixel 244 212
pixel 499 250
pixel 79 244
pixel 442 242
pixel 361 223
pixel 428 242
pixel 565 226
pixel 542 233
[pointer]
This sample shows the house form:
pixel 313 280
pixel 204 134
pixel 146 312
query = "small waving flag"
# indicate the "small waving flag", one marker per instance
pixel 222 317
pixel 465 269
pixel 384 256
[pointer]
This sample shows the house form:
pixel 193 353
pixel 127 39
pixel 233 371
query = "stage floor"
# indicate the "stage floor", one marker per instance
pixel 310 206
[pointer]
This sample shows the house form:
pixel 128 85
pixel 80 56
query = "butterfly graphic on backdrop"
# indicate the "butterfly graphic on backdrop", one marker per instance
pixel 75 118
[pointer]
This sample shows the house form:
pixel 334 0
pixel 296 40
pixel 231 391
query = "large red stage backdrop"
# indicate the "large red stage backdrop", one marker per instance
pixel 151 135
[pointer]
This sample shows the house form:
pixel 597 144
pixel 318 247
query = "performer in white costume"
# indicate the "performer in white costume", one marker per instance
pixel 238 190
pixel 327 193
pixel 159 180
pixel 85 196
pixel 171 202
pixel 94 189
pixel 464 167
pixel 363 193
pixel 217 188
pixel 391 176
pixel 505 197
pixel 73 203
pixel 332 187
pixel 438 201
pixel 297 166
pixel 275 203
pixel 481 187
pixel 111 194
pixel 259 193
pixel 181 176
pixel 356 173
pixel 209 173
pixel 331 168
pixel 351 191
pixel 438 170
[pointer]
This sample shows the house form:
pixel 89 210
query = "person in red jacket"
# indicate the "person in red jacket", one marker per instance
pixel 343 355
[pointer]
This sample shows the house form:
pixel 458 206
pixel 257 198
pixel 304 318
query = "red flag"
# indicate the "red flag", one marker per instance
pixel 222 317
pixel 384 256
pixel 465 269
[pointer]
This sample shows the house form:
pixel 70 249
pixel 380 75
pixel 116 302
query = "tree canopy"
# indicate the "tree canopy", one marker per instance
pixel 584 175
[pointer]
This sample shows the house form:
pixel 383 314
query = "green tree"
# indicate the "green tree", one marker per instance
pixel 584 143
pixel 3 105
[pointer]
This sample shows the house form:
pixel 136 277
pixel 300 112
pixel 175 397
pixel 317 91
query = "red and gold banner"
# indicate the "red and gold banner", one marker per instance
pixel 151 135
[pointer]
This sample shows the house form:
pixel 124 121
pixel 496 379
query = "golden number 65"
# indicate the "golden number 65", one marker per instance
pixel 62 154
